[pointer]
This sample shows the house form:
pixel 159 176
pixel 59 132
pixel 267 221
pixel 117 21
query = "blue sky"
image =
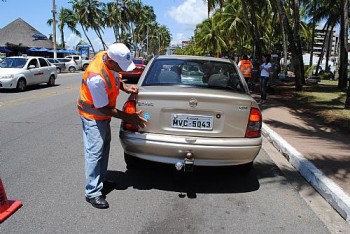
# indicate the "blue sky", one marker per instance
pixel 180 16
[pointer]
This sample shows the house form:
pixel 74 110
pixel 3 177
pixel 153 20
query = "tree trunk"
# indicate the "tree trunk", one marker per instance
pixel 313 33
pixel 299 51
pixel 293 44
pixel 344 49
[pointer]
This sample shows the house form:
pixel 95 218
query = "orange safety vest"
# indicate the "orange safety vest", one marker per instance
pixel 85 102
pixel 246 68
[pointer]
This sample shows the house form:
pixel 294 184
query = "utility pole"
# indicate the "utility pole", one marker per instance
pixel 54 28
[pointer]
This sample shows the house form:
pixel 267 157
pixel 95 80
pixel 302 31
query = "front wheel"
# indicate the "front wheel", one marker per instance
pixel 51 81
pixel 21 85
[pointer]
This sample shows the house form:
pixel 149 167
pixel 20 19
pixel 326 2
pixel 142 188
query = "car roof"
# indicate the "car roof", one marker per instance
pixel 25 57
pixel 193 57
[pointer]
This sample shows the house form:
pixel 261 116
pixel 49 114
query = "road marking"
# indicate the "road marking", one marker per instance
pixel 36 96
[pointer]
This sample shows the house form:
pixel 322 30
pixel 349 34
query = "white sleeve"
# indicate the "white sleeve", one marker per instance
pixel 98 91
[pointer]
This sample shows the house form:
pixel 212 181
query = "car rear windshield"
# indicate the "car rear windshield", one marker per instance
pixel 13 62
pixel 201 73
pixel 64 59
pixel 138 61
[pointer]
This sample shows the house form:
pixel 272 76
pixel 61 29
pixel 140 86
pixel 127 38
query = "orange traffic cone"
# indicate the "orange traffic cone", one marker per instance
pixel 7 208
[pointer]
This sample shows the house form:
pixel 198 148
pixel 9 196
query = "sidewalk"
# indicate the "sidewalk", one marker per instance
pixel 320 154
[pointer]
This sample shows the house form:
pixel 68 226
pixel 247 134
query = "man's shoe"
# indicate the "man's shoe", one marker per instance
pixel 98 202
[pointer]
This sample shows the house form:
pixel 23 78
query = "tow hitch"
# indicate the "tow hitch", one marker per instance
pixel 187 164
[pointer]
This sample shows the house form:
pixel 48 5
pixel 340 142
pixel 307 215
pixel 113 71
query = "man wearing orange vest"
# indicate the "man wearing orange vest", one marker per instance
pixel 246 68
pixel 96 106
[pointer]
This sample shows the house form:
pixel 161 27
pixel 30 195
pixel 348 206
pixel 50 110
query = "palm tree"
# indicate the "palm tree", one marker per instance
pixel 67 18
pixel 209 36
pixel 80 13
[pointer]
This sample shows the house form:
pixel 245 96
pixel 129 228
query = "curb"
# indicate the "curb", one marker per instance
pixel 331 192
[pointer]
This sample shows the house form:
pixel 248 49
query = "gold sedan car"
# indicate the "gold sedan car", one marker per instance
pixel 199 111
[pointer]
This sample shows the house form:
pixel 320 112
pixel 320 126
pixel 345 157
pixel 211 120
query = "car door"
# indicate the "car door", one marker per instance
pixel 35 75
pixel 45 69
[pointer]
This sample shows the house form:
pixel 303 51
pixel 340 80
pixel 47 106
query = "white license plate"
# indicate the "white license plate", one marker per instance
pixel 199 122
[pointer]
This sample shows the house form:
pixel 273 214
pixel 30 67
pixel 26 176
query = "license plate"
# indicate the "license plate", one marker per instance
pixel 199 122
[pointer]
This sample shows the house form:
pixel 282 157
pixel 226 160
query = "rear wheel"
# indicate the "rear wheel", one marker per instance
pixel 130 161
pixel 72 69
pixel 21 85
pixel 85 66
pixel 58 70
pixel 51 81
pixel 245 168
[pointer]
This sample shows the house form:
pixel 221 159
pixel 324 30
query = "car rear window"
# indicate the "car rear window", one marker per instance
pixel 202 73
pixel 64 59
pixel 138 61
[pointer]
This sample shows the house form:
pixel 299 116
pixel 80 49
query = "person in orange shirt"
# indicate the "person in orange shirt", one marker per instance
pixel 246 68
pixel 96 104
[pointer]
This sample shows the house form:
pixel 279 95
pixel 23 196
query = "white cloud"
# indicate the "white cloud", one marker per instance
pixel 190 13
pixel 72 40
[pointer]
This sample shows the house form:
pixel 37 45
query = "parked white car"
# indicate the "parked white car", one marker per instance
pixel 82 63
pixel 71 65
pixel 19 72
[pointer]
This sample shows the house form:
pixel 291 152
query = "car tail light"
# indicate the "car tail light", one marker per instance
pixel 254 124
pixel 129 108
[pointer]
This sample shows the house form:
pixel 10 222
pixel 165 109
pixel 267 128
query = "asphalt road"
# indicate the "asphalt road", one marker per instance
pixel 41 165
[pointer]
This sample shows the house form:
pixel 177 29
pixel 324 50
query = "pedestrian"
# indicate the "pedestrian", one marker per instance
pixel 265 70
pixel 96 106
pixel 246 68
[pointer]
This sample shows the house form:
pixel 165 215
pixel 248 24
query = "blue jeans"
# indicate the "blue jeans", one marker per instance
pixel 263 87
pixel 97 139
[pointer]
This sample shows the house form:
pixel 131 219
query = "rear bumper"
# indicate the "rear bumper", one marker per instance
pixel 207 151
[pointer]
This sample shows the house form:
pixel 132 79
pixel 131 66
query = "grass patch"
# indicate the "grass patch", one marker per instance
pixel 324 102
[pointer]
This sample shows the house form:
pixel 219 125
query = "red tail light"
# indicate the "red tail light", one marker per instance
pixel 254 124
pixel 130 108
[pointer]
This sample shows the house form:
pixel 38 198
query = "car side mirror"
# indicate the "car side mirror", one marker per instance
pixel 31 66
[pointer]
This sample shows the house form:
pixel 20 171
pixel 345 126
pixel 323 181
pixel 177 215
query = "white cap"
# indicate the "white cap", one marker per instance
pixel 120 54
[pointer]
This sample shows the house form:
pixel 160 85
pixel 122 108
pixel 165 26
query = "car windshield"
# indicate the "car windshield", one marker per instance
pixel 138 61
pixel 200 73
pixel 13 62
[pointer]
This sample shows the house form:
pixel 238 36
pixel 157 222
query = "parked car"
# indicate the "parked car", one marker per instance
pixel 71 66
pixel 134 75
pixel 81 63
pixel 20 72
pixel 60 66
pixel 199 112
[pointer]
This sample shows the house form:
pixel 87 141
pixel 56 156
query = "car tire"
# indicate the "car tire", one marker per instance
pixel 130 161
pixel 72 69
pixel 51 81
pixel 85 66
pixel 21 85
pixel 246 168
pixel 58 70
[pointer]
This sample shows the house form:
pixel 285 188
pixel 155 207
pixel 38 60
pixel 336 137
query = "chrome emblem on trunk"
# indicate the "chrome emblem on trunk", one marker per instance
pixel 193 102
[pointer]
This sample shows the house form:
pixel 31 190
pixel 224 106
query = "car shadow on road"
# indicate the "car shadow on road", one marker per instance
pixel 201 180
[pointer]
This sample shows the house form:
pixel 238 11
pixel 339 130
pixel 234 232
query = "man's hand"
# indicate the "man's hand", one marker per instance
pixel 136 119
pixel 131 89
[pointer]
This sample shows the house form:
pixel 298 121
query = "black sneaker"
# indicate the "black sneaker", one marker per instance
pixel 98 202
